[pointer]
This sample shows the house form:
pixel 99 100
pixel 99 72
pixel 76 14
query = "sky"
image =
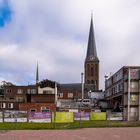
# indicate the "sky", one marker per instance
pixel 55 33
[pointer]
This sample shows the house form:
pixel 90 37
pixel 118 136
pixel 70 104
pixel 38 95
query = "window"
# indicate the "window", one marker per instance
pixel 120 87
pixel 92 71
pixel 33 91
pixel 44 91
pixel 134 73
pixel 45 109
pixel 92 82
pixel 88 70
pixel 28 91
pixel 60 95
pixel 19 91
pixel 134 86
pixel 19 99
pixel 47 92
pixel 9 90
pixel 125 87
pixel 3 105
pixel 96 69
pixel 32 110
pixel 10 105
pixel 70 95
pixel 115 88
pixel 134 97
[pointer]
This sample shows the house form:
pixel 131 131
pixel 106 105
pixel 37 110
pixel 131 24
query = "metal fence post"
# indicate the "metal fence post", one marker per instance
pixel 54 117
pixel 55 105
pixel 27 116
pixel 2 115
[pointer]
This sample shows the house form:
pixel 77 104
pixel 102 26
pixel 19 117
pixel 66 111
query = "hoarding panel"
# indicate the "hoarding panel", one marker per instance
pixel 98 116
pixel 63 117
pixel 39 116
pixel 15 116
pixel 81 116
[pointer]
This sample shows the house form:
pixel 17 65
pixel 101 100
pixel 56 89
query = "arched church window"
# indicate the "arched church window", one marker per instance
pixel 92 71
pixel 88 70
pixel 96 69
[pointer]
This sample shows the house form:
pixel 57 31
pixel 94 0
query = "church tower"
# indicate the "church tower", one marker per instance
pixel 92 61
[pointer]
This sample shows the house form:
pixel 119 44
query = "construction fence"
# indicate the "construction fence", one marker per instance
pixel 57 117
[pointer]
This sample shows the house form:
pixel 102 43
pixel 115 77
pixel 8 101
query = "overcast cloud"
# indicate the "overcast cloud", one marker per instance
pixel 55 33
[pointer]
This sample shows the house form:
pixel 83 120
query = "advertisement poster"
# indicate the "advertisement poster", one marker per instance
pixel 63 117
pixel 39 116
pixel 115 116
pixel 1 116
pixel 15 116
pixel 98 116
pixel 81 116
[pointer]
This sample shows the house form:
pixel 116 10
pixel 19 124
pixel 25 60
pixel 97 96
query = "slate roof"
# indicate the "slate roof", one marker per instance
pixel 75 87
pixel 91 49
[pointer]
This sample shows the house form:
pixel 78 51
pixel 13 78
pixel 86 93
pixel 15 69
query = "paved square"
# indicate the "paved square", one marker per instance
pixel 77 134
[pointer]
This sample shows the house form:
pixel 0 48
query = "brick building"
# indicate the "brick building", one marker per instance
pixel 27 98
pixel 69 94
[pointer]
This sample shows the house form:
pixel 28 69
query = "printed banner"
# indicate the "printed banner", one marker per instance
pixel 39 116
pixel 1 116
pixel 15 116
pixel 98 116
pixel 81 116
pixel 115 116
pixel 63 117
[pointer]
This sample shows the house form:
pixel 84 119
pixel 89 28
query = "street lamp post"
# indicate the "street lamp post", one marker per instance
pixel 82 90
pixel 82 83
pixel 55 92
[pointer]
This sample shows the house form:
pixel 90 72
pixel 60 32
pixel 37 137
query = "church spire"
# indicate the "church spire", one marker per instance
pixel 92 61
pixel 37 75
pixel 91 49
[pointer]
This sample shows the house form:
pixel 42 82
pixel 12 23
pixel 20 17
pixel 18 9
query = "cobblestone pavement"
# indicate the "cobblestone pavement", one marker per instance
pixel 78 134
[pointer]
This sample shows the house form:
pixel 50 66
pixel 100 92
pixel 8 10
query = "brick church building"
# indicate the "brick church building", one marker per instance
pixel 91 72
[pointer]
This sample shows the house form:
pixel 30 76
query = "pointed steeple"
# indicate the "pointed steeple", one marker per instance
pixel 91 49
pixel 37 75
pixel 91 67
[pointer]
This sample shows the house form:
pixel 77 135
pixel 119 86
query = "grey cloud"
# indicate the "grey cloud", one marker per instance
pixel 56 33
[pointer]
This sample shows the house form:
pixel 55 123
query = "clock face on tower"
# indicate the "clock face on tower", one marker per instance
pixel 91 57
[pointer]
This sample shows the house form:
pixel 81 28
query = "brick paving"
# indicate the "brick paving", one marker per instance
pixel 78 134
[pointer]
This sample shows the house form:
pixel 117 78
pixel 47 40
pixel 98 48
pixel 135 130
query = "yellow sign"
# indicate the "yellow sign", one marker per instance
pixel 98 116
pixel 63 117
